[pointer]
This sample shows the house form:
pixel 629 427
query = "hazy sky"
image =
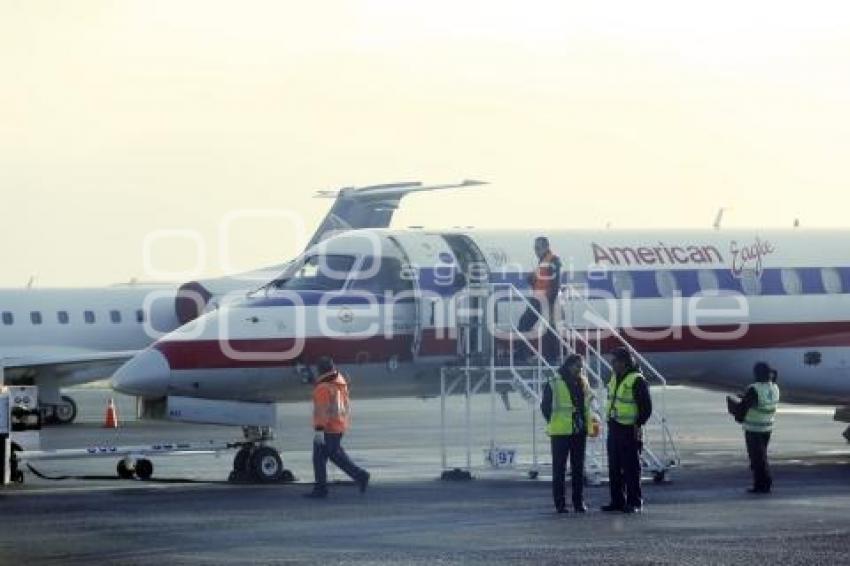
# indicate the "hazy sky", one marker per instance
pixel 121 118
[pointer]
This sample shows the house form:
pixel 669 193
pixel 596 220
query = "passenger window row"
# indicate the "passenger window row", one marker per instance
pixel 63 317
pixel 667 283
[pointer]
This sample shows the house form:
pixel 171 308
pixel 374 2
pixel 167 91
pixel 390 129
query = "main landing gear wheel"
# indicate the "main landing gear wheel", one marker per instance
pixel 62 413
pixel 65 412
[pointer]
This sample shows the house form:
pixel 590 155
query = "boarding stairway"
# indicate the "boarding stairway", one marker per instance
pixel 488 339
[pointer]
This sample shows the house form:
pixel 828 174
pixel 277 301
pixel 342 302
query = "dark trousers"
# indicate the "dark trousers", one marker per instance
pixel 332 450
pixel 757 451
pixel 570 446
pixel 528 320
pixel 624 465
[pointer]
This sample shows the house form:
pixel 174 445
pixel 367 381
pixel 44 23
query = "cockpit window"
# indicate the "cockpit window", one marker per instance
pixel 317 273
pixel 387 277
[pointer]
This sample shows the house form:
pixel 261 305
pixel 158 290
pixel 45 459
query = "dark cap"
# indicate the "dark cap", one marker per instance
pixel 623 355
pixel 763 372
pixel 572 359
pixel 324 365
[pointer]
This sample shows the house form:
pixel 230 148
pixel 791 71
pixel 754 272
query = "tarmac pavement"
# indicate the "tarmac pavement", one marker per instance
pixel 408 516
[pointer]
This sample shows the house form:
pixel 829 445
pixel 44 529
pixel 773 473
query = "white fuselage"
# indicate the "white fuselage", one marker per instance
pixel 108 318
pixel 48 333
pixel 703 306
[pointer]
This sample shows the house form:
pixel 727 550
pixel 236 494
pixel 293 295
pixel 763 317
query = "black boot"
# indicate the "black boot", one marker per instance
pixel 363 482
pixel 317 494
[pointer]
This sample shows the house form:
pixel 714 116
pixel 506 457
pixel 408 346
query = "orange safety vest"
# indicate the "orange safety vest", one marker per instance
pixel 544 275
pixel 331 408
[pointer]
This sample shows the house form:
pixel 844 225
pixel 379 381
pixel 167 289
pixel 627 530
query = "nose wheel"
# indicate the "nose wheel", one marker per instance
pixel 259 464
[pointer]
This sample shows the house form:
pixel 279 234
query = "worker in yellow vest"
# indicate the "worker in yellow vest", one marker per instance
pixel 566 408
pixel 629 407
pixel 757 411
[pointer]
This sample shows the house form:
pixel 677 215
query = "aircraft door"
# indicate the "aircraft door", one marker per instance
pixel 442 269
pixel 430 268
pixel 411 296
pixel 473 338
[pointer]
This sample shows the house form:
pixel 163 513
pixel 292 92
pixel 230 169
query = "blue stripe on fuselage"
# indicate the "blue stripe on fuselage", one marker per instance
pixel 440 281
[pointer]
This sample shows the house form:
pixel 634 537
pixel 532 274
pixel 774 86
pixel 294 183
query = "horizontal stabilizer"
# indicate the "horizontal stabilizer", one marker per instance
pixel 371 206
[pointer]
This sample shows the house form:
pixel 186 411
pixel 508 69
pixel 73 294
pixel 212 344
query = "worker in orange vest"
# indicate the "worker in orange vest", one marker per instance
pixel 545 284
pixel 331 418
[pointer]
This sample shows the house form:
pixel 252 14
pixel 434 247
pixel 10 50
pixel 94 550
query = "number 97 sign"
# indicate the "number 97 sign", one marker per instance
pixel 500 457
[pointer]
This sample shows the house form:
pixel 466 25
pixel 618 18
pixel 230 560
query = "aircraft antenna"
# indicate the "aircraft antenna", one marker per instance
pixel 719 218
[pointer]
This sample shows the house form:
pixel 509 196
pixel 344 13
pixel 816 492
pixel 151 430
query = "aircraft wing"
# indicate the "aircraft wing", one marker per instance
pixel 33 357
pixel 64 366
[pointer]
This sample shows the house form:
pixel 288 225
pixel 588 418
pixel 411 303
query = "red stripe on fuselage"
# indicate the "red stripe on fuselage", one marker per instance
pixel 213 354
pixel 273 352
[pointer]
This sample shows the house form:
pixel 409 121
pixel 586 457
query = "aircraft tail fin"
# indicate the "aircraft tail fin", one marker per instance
pixel 371 206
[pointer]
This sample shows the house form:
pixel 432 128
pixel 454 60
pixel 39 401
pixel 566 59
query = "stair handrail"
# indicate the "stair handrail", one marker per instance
pixel 569 292
pixel 544 321
pixel 608 327
pixel 515 331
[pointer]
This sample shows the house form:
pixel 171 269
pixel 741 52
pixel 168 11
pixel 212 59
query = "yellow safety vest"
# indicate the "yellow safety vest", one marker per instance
pixel 622 407
pixel 760 418
pixel 562 420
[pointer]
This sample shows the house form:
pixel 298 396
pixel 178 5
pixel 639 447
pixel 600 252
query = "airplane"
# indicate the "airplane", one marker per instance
pixel 62 337
pixel 701 306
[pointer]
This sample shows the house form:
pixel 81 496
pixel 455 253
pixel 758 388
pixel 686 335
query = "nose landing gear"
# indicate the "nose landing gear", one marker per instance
pixel 256 461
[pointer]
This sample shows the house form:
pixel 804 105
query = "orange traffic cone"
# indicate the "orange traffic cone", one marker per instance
pixel 111 420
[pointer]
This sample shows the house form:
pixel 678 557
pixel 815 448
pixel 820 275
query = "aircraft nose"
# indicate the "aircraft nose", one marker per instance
pixel 146 375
